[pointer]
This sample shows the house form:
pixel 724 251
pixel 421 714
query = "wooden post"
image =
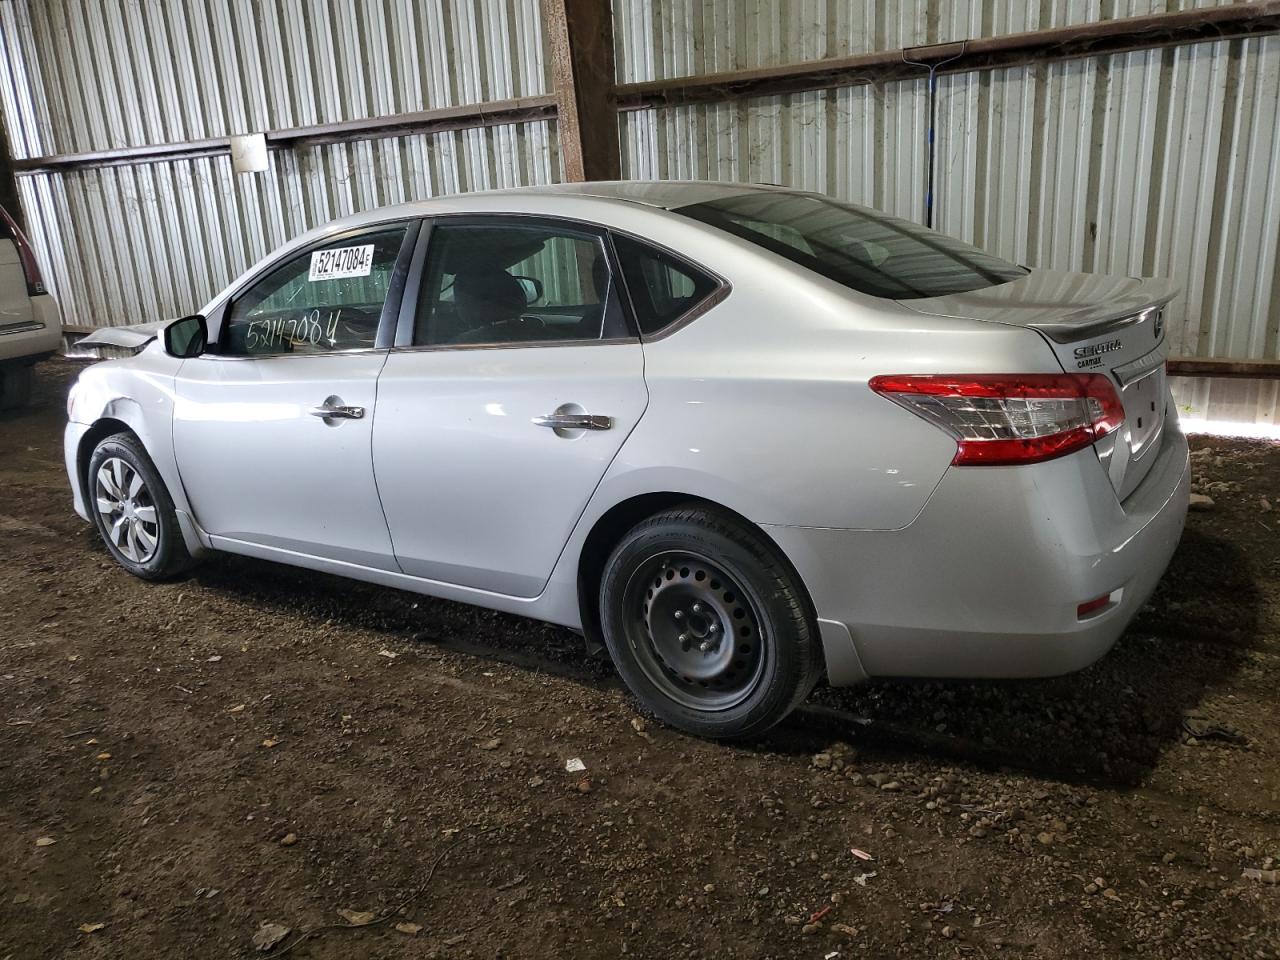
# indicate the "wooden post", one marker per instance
pixel 581 33
pixel 8 185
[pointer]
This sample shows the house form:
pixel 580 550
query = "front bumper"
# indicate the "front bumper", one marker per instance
pixel 71 438
pixel 986 582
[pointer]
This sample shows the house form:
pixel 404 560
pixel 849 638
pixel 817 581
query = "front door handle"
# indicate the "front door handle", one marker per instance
pixel 574 421
pixel 337 411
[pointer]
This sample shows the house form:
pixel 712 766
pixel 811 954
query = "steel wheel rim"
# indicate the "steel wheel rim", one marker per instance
pixel 694 630
pixel 128 513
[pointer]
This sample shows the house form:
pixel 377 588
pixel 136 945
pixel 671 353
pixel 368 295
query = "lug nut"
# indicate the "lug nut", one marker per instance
pixel 684 641
pixel 697 608
pixel 679 614
pixel 714 628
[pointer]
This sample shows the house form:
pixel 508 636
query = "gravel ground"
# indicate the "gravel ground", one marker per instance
pixel 183 763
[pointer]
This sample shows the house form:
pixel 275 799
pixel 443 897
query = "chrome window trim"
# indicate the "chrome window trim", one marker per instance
pixel 515 345
pixel 705 305
pixel 232 358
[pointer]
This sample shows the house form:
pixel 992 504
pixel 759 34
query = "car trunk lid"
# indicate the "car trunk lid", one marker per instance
pixel 1094 324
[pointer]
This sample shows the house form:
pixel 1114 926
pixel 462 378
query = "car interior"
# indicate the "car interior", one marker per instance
pixel 500 284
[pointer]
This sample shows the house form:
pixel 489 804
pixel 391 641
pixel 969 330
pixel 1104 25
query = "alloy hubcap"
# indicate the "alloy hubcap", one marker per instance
pixel 128 512
pixel 695 631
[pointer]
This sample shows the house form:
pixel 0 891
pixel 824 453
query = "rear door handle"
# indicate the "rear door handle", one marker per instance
pixel 574 421
pixel 337 411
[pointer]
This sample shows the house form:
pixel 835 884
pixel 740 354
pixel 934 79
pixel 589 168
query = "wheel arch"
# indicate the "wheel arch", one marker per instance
pixel 124 415
pixel 102 428
pixel 612 525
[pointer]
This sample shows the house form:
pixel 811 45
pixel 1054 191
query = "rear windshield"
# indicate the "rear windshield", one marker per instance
pixel 856 246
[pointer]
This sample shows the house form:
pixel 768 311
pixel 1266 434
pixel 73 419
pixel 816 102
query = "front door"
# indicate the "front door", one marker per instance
pixel 505 402
pixel 272 432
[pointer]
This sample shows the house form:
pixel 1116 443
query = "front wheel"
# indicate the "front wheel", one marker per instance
pixel 707 625
pixel 133 511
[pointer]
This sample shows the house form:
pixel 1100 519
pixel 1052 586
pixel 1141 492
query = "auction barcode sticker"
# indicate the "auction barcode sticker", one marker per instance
pixel 342 262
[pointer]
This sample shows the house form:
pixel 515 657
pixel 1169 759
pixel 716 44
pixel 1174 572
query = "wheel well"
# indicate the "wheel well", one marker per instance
pixel 620 518
pixel 101 429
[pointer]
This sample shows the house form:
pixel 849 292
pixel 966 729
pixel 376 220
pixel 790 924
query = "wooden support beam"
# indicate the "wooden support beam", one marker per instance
pixel 581 33
pixel 8 185
pixel 1212 367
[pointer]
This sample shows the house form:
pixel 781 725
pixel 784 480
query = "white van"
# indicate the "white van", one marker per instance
pixel 30 329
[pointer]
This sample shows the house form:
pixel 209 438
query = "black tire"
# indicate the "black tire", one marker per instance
pixel 743 651
pixel 16 384
pixel 167 556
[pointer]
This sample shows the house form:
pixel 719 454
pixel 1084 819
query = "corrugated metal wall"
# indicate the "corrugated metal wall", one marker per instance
pixel 107 73
pixel 126 243
pixel 1250 407
pixel 1164 162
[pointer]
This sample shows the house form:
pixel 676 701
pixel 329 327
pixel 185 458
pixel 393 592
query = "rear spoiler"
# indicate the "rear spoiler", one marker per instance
pixel 1101 319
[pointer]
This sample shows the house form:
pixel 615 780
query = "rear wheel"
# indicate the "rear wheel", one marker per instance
pixel 16 383
pixel 707 625
pixel 133 510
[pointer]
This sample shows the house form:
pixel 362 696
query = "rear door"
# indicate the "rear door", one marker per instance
pixel 514 382
pixel 272 429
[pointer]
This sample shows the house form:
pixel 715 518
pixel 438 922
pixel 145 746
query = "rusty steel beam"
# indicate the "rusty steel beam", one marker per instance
pixel 985 53
pixel 466 116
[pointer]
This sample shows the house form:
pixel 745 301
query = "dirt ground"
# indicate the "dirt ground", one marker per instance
pixel 255 744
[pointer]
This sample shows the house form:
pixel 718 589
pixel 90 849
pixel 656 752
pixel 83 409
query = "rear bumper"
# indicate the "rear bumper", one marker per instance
pixel 42 339
pixel 986 582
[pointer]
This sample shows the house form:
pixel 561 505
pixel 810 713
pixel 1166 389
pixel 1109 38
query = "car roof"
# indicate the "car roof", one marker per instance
pixel 660 194
pixel 666 194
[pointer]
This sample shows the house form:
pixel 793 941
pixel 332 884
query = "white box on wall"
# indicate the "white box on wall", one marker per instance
pixel 249 153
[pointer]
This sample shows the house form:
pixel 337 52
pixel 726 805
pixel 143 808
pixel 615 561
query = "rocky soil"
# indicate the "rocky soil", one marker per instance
pixel 257 761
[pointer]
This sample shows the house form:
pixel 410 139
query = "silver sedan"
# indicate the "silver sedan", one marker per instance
pixel 744 436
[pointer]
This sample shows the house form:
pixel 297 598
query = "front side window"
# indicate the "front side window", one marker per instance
pixel 324 300
pixel 856 246
pixel 511 282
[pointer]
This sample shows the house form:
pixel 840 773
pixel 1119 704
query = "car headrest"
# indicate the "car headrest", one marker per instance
pixel 600 277
pixel 491 288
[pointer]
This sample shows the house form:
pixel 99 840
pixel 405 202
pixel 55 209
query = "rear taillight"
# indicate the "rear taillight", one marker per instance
pixel 35 283
pixel 1011 418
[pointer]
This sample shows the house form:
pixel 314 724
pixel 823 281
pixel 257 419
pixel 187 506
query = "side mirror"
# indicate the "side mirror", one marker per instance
pixel 532 288
pixel 187 337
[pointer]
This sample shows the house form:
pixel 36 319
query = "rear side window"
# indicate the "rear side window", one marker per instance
pixel 856 246
pixel 321 301
pixel 663 288
pixel 506 281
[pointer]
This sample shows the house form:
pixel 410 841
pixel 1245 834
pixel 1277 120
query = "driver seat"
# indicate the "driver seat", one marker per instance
pixel 485 299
